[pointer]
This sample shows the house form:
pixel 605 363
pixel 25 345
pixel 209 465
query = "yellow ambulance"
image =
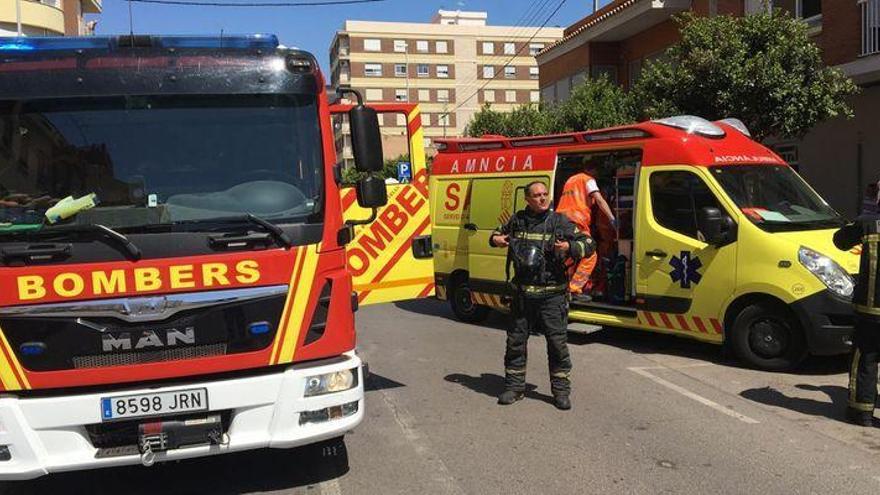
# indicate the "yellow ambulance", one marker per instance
pixel 717 238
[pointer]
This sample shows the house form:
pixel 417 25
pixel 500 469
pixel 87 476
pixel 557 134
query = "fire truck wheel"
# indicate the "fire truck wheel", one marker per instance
pixel 463 304
pixel 767 337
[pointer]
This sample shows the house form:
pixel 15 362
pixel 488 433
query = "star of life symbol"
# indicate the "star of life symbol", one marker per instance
pixel 686 269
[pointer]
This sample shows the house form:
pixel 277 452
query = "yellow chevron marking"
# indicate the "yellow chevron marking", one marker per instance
pixel 298 318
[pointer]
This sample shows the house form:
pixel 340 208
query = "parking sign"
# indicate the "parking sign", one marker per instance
pixel 404 172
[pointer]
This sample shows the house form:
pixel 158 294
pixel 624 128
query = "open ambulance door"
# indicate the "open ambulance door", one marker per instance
pixel 383 262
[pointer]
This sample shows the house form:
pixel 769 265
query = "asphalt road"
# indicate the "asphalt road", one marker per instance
pixel 651 414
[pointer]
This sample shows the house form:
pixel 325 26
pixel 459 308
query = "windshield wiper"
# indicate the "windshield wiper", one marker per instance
pixel 104 232
pixel 271 228
pixel 274 232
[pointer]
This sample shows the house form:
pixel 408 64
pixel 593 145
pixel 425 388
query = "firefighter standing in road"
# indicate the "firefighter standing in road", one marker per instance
pixel 866 303
pixel 539 241
pixel 579 195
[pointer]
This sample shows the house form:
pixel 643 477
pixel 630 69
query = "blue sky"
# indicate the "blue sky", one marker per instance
pixel 312 28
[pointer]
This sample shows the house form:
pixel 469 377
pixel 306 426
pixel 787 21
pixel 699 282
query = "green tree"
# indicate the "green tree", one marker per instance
pixel 593 104
pixel 486 121
pixel 350 175
pixel 762 69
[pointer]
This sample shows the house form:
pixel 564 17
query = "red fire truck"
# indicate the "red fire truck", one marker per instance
pixel 173 277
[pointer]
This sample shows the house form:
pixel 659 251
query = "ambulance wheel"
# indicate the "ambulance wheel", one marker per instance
pixel 768 337
pixel 463 305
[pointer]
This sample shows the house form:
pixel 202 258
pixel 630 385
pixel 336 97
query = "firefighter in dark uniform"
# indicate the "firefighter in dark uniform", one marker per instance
pixel 540 242
pixel 866 303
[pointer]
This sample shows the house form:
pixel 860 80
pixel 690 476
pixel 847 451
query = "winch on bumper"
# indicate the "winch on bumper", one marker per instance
pixel 39 436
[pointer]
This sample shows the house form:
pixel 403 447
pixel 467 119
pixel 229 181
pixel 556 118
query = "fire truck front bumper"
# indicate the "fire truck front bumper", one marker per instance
pixel 42 435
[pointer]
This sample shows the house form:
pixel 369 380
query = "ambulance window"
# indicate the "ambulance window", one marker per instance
pixel 676 197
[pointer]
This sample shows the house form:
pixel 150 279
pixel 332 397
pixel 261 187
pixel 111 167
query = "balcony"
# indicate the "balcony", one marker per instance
pixel 92 6
pixel 42 15
pixel 870 26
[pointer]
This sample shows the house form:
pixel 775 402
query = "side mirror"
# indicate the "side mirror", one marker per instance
pixel 371 192
pixel 366 142
pixel 714 225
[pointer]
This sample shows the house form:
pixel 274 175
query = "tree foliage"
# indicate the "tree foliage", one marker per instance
pixel 761 68
pixel 350 175
pixel 594 104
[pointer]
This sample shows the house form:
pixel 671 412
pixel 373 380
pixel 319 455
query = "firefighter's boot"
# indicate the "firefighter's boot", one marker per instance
pixel 562 402
pixel 860 418
pixel 509 397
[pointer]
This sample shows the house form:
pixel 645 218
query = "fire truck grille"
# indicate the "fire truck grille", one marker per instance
pixel 129 358
pixel 121 438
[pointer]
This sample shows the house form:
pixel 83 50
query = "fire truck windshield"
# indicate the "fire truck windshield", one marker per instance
pixel 161 159
pixel 776 198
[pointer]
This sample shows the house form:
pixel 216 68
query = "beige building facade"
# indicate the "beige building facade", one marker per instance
pixel 450 66
pixel 47 17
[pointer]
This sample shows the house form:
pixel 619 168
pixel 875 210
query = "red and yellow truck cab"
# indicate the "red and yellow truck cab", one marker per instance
pixel 718 239
pixel 173 274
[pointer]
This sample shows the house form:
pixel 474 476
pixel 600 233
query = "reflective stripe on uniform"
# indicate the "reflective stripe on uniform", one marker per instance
pixel 534 237
pixel 860 308
pixel 540 289
pixel 872 272
pixel 853 384
pixel 580 248
pixel 515 372
pixel 561 374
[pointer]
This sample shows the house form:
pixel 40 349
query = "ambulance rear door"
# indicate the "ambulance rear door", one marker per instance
pixel 384 264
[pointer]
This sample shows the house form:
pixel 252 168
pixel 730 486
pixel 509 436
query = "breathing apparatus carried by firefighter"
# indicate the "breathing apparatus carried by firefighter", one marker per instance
pixel 528 257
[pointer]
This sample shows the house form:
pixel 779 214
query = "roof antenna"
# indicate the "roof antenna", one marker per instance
pixel 221 37
pixel 130 24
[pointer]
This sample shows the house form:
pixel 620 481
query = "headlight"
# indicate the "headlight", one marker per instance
pixel 338 381
pixel 825 269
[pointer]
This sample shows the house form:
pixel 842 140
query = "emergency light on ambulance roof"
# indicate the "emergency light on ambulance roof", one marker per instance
pixel 542 141
pixel 737 124
pixel 693 125
pixel 616 134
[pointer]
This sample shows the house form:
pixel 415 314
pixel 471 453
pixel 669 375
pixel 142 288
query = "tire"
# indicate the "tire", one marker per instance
pixel 767 337
pixel 463 304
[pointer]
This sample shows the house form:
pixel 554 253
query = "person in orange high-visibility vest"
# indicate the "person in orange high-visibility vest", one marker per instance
pixel 579 195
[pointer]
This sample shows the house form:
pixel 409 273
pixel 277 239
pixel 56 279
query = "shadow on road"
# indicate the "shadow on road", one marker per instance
pixel 833 410
pixel 648 343
pixel 434 307
pixel 245 472
pixel 492 385
pixel 379 382
pixel 639 341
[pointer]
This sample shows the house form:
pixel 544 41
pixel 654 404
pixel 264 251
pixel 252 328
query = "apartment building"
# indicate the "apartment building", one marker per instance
pixel 47 17
pixel 450 66
pixel 839 157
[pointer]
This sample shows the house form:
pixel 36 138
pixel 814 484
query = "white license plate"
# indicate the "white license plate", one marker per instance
pixel 157 404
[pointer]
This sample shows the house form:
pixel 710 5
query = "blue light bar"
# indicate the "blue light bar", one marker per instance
pixel 57 43
pixel 41 43
pixel 266 41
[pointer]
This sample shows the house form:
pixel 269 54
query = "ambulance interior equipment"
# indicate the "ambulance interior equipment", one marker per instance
pixel 614 172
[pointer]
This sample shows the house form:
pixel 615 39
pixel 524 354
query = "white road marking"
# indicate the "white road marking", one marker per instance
pixel 330 487
pixel 680 367
pixel 687 393
pixel 436 466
